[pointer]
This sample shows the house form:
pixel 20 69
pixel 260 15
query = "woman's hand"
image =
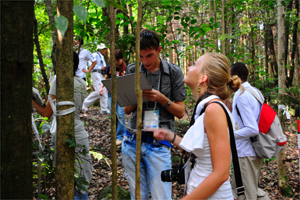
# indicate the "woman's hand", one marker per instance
pixel 162 134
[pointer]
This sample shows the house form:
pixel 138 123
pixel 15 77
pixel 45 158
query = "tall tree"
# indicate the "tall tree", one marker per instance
pixel 38 49
pixel 65 92
pixel 223 28
pixel 49 7
pixel 294 47
pixel 138 92
pixel 16 95
pixel 112 19
pixel 283 182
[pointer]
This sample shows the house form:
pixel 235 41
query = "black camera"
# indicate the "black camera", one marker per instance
pixel 174 174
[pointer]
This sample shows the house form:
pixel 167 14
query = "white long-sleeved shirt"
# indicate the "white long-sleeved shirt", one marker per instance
pixel 84 57
pixel 100 60
pixel 249 109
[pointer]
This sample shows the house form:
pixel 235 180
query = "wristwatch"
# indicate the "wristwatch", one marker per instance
pixel 168 104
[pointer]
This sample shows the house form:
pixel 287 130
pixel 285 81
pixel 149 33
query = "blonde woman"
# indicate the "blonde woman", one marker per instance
pixel 208 136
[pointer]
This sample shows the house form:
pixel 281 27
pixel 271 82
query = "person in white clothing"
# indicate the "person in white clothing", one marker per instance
pixel 97 76
pixel 84 57
pixel 247 121
pixel 209 178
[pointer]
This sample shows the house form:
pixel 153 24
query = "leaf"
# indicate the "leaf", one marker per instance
pixel 80 12
pixel 177 18
pixel 61 24
pixel 233 24
pixel 194 21
pixel 176 3
pixel 169 18
pixel 177 8
pixel 100 156
pixel 115 4
pixel 72 143
pixel 216 25
pixel 99 3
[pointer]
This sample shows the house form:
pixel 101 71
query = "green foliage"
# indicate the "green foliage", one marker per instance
pixel 106 193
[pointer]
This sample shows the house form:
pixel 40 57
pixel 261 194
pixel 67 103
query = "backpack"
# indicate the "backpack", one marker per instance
pixel 271 139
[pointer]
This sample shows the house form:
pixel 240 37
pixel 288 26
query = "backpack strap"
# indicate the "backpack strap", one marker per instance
pixel 236 166
pixel 260 99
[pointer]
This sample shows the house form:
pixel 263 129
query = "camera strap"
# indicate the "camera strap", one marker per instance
pixel 236 166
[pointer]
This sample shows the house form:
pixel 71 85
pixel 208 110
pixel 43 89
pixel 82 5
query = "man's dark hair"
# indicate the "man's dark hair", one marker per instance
pixel 79 38
pixel 75 61
pixel 149 40
pixel 240 70
pixel 119 54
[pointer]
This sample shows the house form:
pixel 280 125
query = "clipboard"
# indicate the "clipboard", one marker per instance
pixel 126 88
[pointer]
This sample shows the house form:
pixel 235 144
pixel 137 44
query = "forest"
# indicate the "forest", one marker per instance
pixel 37 44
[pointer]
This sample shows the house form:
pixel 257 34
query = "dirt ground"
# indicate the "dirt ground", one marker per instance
pixel 98 127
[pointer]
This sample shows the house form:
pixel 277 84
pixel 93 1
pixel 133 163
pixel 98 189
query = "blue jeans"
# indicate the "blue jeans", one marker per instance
pixel 155 157
pixel 120 112
pixel 79 196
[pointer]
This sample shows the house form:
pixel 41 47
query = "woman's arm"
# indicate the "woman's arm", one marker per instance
pixel 215 124
pixel 165 134
pixel 45 112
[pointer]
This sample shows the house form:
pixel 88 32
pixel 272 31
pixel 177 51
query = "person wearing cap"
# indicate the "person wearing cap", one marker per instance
pixel 84 56
pixel 97 76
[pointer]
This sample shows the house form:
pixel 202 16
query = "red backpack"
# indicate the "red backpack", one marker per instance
pixel 271 139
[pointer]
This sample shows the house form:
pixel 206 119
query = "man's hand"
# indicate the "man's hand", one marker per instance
pixel 85 71
pixel 101 91
pixel 153 95
pixel 102 68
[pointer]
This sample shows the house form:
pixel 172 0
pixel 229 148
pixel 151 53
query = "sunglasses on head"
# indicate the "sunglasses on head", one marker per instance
pixel 148 36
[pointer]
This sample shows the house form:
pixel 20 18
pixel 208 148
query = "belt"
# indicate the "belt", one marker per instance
pixel 98 70
pixel 149 139
pixel 145 138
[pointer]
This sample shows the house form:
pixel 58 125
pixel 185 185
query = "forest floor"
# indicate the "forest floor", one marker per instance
pixel 98 127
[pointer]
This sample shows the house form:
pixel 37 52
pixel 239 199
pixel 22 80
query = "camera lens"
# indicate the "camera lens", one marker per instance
pixel 166 175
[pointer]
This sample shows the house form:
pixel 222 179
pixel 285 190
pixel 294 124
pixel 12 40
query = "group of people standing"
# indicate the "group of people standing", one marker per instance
pixel 210 79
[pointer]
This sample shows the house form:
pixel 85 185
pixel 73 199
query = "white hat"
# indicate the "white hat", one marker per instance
pixel 101 46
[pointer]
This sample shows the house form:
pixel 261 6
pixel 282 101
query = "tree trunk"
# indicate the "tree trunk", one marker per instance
pixel 39 52
pixel 223 28
pixel 271 50
pixel 49 8
pixel 283 183
pixel 125 27
pixel 211 31
pixel 216 30
pixel 16 95
pixel 112 19
pixel 266 50
pixel 232 42
pixel 65 92
pixel 138 92
pixel 294 46
pixel 286 41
